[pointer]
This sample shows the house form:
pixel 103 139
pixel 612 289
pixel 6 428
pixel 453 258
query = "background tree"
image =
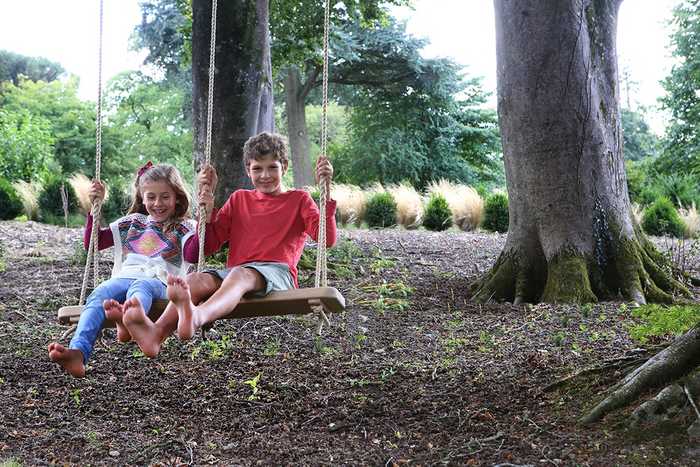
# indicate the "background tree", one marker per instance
pixel 71 124
pixel 13 65
pixel 242 89
pixel 406 121
pixel 571 237
pixel 149 121
pixel 297 50
pixel 682 146
pixel 638 140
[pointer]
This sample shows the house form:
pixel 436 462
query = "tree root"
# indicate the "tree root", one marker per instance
pixel 678 359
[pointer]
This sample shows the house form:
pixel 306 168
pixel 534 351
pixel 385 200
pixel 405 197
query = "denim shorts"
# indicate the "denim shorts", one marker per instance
pixel 276 275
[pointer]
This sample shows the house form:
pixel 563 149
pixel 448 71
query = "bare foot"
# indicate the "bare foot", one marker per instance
pixel 179 295
pixel 141 328
pixel 70 359
pixel 114 311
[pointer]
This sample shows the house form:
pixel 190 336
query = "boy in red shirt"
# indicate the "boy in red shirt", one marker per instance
pixel 265 228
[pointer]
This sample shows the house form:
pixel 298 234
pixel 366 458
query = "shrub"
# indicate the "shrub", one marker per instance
pixel 409 205
pixel 681 189
pixel 381 210
pixel 10 202
pixel 29 196
pixel 51 200
pixel 661 218
pixel 496 213
pixel 352 202
pixel 116 203
pixel 691 221
pixel 438 215
pixel 466 204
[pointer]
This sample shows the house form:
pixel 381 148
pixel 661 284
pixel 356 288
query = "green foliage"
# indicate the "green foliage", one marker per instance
pixel 10 203
pixel 661 218
pixel 638 140
pixel 149 123
pixel 661 321
pixel 496 213
pixel 51 200
pixel 682 146
pixel 381 210
pixel 71 124
pixel 406 123
pixel 438 215
pixel 639 179
pixel 13 65
pixel 681 189
pixel 118 202
pixel 26 146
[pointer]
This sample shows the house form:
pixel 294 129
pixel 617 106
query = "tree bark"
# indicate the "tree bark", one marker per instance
pixel 571 236
pixel 242 94
pixel 295 95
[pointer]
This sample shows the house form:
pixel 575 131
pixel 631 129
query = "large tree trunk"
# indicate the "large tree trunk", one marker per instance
pixel 242 85
pixel 571 235
pixel 295 95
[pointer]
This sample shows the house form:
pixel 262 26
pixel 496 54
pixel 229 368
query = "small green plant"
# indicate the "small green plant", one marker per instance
pixel 75 395
pixel 559 338
pixel 486 342
pixel 272 348
pixel 253 383
pixel 496 213
pixel 217 349
pixel 118 202
pixel 661 218
pixel 453 344
pixel 359 340
pixel 379 265
pixel 661 321
pixel 10 202
pixel 438 216
pixel 586 309
pixel 381 210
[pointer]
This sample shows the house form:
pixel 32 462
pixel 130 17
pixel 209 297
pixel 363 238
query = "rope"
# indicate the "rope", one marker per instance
pixel 92 255
pixel 202 224
pixel 321 255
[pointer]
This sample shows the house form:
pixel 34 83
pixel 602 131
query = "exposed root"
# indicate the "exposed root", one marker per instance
pixel 675 361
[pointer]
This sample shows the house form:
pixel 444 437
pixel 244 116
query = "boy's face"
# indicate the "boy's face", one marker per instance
pixel 266 174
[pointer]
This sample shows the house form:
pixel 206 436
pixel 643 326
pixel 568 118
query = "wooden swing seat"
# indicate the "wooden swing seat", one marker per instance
pixel 287 302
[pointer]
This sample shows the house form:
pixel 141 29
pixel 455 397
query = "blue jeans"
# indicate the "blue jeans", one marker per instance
pixel 93 316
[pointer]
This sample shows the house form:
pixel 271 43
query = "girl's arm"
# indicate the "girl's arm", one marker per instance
pixel 190 252
pixel 104 236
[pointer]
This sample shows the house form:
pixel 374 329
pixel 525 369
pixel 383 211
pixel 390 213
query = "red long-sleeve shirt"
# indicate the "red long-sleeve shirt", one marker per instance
pixel 269 228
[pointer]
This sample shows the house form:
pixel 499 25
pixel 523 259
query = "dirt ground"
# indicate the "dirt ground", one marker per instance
pixel 413 373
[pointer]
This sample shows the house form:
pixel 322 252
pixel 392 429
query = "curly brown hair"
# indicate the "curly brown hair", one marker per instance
pixel 265 144
pixel 170 175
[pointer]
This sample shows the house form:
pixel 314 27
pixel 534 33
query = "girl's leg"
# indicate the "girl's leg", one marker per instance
pixel 238 282
pixel 92 318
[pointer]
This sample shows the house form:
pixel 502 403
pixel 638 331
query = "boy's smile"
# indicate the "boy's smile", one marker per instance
pixel 266 174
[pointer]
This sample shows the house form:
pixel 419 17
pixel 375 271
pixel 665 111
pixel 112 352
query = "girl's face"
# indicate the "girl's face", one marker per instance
pixel 266 174
pixel 159 199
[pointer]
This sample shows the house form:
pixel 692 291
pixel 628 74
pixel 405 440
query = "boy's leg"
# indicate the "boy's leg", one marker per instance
pixel 148 335
pixel 74 358
pixel 190 317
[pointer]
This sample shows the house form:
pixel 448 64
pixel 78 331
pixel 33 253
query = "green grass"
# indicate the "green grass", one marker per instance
pixel 662 321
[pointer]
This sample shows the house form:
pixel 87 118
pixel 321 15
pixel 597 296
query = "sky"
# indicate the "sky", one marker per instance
pixel 66 31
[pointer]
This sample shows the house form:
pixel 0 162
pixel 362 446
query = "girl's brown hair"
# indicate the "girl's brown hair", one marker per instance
pixel 162 173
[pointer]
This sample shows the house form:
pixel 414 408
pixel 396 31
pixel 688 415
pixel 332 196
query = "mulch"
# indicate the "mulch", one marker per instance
pixel 413 373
